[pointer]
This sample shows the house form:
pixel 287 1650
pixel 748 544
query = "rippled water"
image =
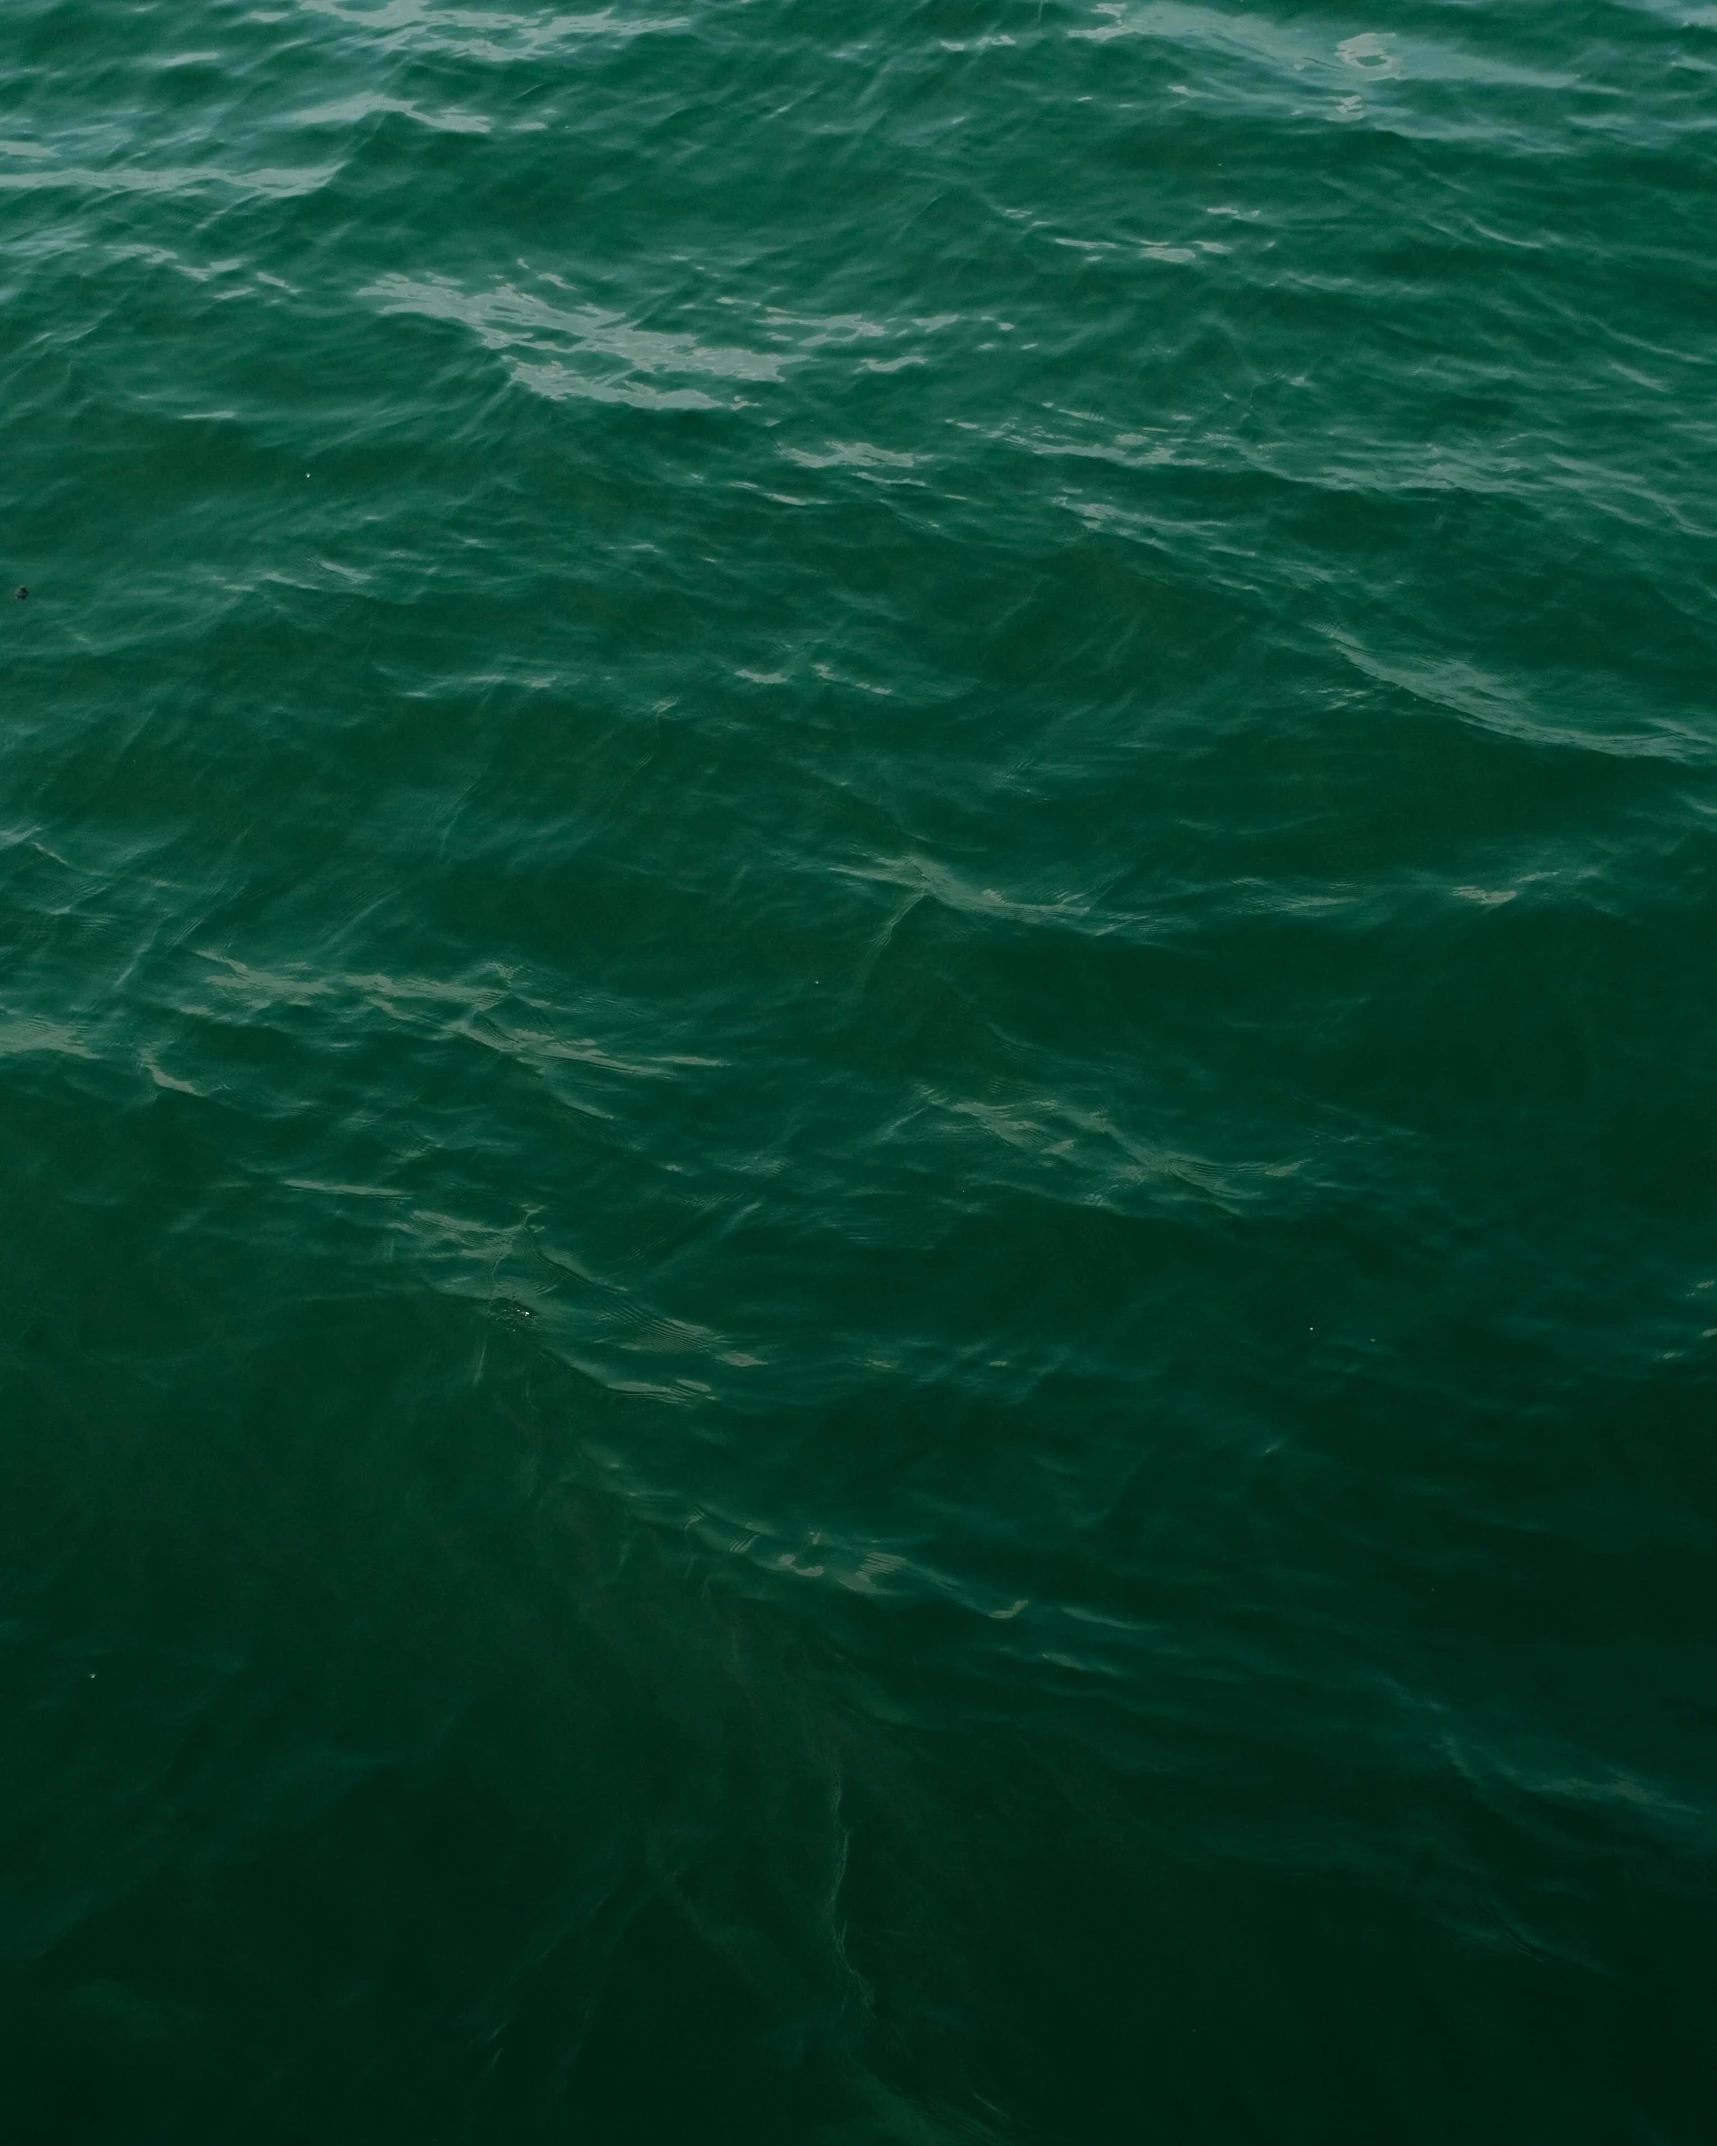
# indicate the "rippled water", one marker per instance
pixel 856 1043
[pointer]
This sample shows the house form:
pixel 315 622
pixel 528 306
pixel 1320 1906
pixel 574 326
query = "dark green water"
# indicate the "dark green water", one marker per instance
pixel 857 1017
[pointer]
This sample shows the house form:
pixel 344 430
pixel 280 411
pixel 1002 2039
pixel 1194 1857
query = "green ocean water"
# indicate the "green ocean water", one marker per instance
pixel 858 1162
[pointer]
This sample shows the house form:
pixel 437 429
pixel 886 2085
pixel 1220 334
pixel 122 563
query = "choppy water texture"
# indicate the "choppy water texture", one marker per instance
pixel 856 1037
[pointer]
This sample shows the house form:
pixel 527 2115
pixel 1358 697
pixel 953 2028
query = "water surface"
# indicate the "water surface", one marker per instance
pixel 856 1017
